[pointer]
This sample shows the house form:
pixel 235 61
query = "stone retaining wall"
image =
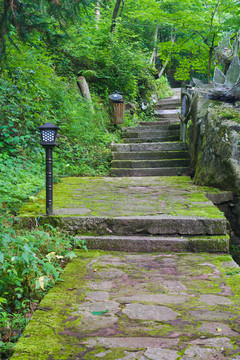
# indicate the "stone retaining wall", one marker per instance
pixel 214 147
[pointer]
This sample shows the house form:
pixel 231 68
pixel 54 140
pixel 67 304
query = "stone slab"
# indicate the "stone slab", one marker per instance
pixel 150 155
pixel 114 197
pixel 157 146
pixel 138 164
pixel 131 343
pixel 131 306
pixel 155 225
pixel 161 171
pixel 157 243
pixel 149 312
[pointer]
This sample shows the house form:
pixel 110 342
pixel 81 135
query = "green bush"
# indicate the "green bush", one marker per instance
pixel 30 264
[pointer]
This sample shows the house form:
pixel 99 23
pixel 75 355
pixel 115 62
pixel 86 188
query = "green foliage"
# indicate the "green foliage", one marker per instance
pixel 162 87
pixel 31 94
pixel 19 180
pixel 47 17
pixel 30 264
pixel 108 61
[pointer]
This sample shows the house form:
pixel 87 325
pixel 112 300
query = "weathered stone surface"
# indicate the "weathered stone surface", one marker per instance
pixel 174 286
pixel 149 312
pixel 131 343
pixel 161 171
pixel 214 300
pixel 88 307
pixel 211 315
pixel 155 225
pixel 221 197
pixel 214 151
pixel 222 343
pixel 84 317
pixel 154 298
pixel 101 285
pixel 157 243
pixel 163 354
pixel 71 211
pixel 149 155
pixel 109 274
pixel 199 353
pixel 97 295
pixel 147 164
pixel 158 146
pixel 217 328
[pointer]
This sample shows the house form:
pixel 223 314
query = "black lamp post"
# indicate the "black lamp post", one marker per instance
pixel 48 134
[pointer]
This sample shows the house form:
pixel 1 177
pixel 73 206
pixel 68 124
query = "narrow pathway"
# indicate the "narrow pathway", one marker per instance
pixel 157 282
pixel 153 148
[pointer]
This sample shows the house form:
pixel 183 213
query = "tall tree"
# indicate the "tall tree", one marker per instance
pixel 26 16
pixel 115 13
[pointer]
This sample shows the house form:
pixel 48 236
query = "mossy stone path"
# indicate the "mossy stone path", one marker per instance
pixel 137 196
pixel 127 306
pixel 153 300
pixel 135 214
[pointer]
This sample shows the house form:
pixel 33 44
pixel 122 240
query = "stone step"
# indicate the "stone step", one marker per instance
pixel 170 101
pixel 145 244
pixel 136 164
pixel 154 133
pixel 150 155
pixel 167 113
pixel 163 121
pixel 144 225
pixel 166 106
pixel 164 171
pixel 156 146
pixel 152 127
pixel 146 139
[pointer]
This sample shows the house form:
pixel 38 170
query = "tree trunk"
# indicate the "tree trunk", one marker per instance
pixel 173 37
pixel 210 63
pixel 98 13
pixel 165 65
pixel 115 14
pixel 84 89
pixel 154 54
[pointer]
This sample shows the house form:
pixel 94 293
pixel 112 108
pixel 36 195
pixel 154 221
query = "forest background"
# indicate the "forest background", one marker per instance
pixel 134 46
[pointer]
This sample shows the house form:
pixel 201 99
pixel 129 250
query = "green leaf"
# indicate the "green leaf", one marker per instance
pixel 100 312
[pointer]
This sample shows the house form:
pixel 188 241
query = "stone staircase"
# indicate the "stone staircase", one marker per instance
pixel 153 148
pixel 132 211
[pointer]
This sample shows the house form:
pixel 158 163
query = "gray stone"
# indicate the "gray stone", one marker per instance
pixel 152 298
pixel 71 211
pixel 109 274
pixel 219 198
pixel 88 307
pixel 214 300
pixel 174 286
pixel 131 343
pixel 149 155
pixel 211 315
pixel 230 264
pixel 97 295
pixel 136 355
pixel 102 354
pixel 217 342
pixel 199 353
pixel 161 354
pixel 149 312
pixel 161 171
pixel 155 225
pixel 165 146
pixel 217 328
pixel 100 285
pixel 155 243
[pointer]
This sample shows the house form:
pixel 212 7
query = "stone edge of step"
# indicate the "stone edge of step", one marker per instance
pixel 157 243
